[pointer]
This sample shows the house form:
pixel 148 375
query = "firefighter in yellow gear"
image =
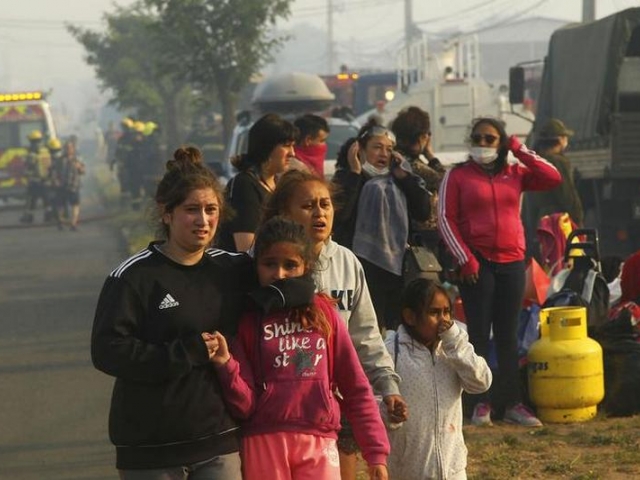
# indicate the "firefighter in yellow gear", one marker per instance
pixel 37 166
pixel 56 181
pixel 122 154
pixel 152 158
pixel 135 164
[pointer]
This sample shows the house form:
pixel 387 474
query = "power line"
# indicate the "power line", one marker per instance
pixel 512 18
pixel 456 14
pixel 322 9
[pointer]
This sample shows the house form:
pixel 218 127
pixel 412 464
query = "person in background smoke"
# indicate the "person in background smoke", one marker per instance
pixel 37 166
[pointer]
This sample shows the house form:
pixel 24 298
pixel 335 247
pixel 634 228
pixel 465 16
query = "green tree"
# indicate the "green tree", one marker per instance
pixel 221 43
pixel 130 61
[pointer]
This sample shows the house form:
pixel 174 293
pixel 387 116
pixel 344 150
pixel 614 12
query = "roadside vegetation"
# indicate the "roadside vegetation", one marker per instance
pixel 600 449
pixel 136 225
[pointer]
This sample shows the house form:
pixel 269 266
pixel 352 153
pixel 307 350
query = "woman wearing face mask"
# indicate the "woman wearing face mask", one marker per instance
pixel 311 147
pixel 479 220
pixel 377 196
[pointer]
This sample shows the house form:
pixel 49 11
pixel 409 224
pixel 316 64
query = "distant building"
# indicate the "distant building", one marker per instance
pixel 500 47
pixel 520 41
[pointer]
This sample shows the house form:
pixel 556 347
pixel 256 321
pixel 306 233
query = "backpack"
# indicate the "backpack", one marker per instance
pixel 582 285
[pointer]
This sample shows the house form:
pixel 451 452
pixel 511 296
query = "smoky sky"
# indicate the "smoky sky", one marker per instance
pixel 36 52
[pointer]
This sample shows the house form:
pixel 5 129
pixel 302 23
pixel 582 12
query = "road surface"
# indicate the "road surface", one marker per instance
pixel 53 403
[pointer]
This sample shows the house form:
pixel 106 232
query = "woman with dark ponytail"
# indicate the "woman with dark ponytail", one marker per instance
pixel 151 332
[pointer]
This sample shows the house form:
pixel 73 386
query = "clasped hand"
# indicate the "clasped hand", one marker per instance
pixel 217 347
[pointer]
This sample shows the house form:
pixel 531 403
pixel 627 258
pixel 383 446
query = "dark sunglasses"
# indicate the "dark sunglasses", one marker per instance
pixel 476 138
pixel 378 130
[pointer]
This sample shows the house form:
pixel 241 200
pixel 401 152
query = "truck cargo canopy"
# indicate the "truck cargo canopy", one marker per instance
pixel 581 72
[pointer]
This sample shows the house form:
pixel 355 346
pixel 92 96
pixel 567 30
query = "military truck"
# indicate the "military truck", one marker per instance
pixel 591 81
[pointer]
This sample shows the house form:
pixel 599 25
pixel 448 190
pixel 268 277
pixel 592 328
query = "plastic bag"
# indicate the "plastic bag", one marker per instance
pixel 536 284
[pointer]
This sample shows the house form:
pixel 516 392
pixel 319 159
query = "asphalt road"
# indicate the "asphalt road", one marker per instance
pixel 53 403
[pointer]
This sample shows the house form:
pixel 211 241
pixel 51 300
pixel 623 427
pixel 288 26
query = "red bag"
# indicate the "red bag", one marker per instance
pixel 536 284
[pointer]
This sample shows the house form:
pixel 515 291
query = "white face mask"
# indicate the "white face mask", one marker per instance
pixel 374 171
pixel 483 155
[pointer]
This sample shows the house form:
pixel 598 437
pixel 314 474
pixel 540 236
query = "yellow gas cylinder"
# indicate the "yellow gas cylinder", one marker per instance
pixel 565 370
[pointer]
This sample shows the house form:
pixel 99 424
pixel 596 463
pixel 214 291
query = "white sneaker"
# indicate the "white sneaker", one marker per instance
pixel 481 415
pixel 519 414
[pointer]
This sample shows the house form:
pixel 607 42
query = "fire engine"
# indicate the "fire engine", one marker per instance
pixel 20 114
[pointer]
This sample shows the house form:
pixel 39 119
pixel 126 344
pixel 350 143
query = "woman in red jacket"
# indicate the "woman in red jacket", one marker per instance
pixel 479 220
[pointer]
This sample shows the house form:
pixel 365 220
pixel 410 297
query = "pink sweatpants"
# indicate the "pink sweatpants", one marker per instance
pixel 289 456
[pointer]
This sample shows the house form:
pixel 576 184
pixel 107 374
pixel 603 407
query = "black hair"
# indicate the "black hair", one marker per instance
pixel 544 144
pixel 409 125
pixel 310 125
pixel 280 229
pixel 417 296
pixel 278 202
pixel 184 173
pixel 503 146
pixel 267 133
pixel 342 160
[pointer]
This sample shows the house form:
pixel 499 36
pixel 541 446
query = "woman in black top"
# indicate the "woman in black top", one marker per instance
pixel 151 332
pixel 270 148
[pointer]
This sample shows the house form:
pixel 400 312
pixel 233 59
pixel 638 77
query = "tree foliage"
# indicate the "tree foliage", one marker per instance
pixel 222 43
pixel 129 60
pixel 159 51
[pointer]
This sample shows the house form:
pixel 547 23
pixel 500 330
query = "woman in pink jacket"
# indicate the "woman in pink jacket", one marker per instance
pixel 291 353
pixel 479 220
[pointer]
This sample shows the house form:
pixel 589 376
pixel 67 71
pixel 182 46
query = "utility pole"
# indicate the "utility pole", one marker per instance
pixel 408 22
pixel 588 10
pixel 330 51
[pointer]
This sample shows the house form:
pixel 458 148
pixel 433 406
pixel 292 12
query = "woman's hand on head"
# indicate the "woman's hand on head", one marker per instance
pixel 428 148
pixel 353 157
pixel 378 472
pixel 217 347
pixel 514 144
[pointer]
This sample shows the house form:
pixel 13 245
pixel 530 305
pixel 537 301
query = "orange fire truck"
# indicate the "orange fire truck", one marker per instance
pixel 20 114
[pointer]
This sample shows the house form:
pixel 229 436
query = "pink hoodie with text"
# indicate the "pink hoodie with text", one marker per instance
pixel 282 377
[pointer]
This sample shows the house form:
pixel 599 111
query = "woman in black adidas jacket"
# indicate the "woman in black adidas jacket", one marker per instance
pixel 151 332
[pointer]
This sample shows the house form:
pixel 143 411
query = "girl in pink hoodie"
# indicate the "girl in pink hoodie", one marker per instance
pixel 292 352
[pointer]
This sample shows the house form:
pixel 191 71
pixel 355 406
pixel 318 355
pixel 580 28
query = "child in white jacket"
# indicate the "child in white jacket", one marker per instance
pixel 436 362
